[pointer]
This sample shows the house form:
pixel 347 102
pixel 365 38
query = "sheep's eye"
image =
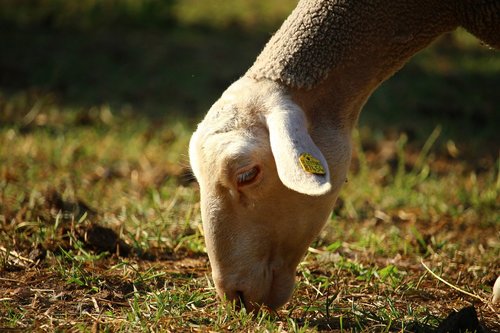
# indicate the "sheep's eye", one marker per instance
pixel 248 176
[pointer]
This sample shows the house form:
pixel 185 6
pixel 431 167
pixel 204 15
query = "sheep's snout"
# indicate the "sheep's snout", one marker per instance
pixel 269 292
pixel 237 291
pixel 232 295
pixel 240 300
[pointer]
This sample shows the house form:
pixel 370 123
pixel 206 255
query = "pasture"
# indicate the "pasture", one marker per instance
pixel 100 227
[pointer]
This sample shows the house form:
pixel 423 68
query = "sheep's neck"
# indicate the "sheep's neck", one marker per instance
pixel 349 47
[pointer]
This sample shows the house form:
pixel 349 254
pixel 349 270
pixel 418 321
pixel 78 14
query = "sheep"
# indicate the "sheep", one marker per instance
pixel 272 153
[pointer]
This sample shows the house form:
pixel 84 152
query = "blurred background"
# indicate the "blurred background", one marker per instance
pixel 173 58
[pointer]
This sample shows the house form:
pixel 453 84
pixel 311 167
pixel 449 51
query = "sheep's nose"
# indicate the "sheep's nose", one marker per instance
pixel 241 300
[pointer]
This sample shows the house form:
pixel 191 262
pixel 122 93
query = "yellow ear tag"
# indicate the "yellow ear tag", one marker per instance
pixel 311 164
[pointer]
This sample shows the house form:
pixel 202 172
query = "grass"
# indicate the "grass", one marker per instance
pixel 63 178
pixel 99 217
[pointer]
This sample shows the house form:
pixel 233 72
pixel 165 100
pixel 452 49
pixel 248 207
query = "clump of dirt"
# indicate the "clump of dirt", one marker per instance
pixel 102 239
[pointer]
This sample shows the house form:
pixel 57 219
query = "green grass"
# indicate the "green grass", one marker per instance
pixel 99 220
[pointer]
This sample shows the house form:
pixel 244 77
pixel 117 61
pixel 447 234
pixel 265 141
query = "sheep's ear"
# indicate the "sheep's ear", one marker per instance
pixel 300 164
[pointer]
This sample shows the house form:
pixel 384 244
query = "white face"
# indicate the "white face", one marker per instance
pixel 260 208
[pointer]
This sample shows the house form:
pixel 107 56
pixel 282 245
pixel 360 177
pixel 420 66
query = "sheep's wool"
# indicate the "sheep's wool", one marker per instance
pixel 322 35
pixel 306 46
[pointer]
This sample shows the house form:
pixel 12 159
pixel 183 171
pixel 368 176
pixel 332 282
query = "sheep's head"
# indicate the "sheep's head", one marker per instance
pixel 265 191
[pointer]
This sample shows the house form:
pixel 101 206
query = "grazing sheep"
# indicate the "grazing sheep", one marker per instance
pixel 273 152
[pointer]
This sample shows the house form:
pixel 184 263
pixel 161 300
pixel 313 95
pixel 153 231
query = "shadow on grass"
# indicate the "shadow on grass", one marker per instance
pixel 447 86
pixel 153 71
pixel 464 320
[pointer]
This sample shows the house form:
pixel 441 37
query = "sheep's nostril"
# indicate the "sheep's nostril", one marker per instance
pixel 240 300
